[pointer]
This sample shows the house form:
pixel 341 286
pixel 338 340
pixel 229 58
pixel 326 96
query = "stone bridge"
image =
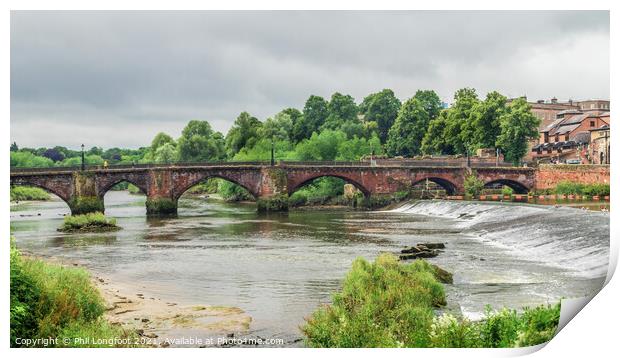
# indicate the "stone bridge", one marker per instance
pixel 270 185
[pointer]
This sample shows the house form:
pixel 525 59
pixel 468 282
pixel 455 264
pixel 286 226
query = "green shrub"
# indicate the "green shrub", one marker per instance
pixel 506 190
pixel 88 222
pixel 390 304
pixel 473 186
pixel 381 304
pixel 19 193
pixel 571 188
pixel 53 301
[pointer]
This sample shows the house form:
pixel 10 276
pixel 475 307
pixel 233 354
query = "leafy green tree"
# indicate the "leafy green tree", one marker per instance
pixel 430 101
pixel 405 136
pixel 279 127
pixel 321 146
pixel 296 117
pixel 95 151
pixel 381 108
pixel 199 142
pixel 435 141
pixel 483 126
pixel 517 126
pixel 28 160
pixel 457 119
pixel 314 115
pixel 342 109
pixel 166 153
pixel 473 186
pixel 356 148
pixel 243 133
pixel 160 139
pixel 14 147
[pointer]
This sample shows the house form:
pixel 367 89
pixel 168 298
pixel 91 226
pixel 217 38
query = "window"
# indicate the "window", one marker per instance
pixel 592 123
pixel 557 137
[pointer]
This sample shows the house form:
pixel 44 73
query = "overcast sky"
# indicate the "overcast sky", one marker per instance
pixel 117 78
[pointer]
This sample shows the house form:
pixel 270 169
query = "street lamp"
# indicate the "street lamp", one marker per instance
pixel 273 161
pixel 82 157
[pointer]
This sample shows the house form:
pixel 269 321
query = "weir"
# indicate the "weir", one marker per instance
pixel 83 190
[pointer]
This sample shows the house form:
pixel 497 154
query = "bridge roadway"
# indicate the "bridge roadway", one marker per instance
pixel 163 184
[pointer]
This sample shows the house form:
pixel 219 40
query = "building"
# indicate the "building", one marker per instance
pixel 549 111
pixel 599 145
pixel 567 139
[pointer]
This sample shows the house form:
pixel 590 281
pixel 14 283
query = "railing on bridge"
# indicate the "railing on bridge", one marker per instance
pixel 362 163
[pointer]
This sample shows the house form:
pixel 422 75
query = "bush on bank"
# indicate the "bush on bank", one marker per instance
pixel 52 301
pixel 571 188
pixel 88 222
pixel 389 304
pixel 20 193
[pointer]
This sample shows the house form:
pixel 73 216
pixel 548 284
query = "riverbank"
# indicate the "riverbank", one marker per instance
pixel 157 322
pixel 389 304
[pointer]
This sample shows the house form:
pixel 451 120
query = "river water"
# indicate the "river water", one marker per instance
pixel 280 267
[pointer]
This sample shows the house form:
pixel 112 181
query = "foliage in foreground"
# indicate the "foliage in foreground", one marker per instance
pixel 571 188
pixel 52 301
pixel 20 193
pixel 389 304
pixel 88 222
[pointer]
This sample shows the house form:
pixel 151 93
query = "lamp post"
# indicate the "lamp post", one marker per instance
pixel 273 161
pixel 82 157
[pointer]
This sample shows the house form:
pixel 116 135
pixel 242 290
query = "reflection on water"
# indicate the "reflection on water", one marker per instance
pixel 280 267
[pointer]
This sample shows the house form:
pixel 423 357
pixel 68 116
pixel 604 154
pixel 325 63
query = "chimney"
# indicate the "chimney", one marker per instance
pixel 554 100
pixel 570 102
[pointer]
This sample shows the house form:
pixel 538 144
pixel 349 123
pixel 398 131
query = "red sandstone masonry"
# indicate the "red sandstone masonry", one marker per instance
pixel 548 176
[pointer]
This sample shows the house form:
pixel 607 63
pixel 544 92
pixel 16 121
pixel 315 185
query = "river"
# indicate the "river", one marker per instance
pixel 279 268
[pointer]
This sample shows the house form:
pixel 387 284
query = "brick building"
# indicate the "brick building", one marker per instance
pixel 568 138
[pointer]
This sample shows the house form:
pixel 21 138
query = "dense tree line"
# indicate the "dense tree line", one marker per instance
pixel 334 129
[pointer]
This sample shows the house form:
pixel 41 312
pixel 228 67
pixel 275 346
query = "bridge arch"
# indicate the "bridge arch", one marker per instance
pixel 450 187
pixel 110 184
pixel 347 179
pixel 182 189
pixel 517 187
pixel 44 187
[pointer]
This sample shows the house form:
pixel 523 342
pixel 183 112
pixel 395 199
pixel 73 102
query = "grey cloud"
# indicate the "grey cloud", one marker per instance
pixel 116 72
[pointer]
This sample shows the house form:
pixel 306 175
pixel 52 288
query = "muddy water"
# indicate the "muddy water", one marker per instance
pixel 278 268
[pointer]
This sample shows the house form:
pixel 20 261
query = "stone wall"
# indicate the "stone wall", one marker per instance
pixel 548 176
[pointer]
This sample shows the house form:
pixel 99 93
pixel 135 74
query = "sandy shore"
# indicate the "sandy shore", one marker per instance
pixel 163 323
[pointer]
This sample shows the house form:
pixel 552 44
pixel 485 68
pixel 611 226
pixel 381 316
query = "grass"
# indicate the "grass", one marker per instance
pixel 20 193
pixel 571 188
pixel 389 304
pixel 52 301
pixel 91 222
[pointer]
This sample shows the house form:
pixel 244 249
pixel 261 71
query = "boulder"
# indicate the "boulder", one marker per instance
pixel 442 275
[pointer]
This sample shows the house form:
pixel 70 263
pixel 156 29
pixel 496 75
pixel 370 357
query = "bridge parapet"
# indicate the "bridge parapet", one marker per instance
pixel 271 185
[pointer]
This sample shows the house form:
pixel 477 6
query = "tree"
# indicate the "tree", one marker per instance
pixel 381 108
pixel 160 139
pixel 517 126
pixel 198 142
pixel 296 117
pixel 277 128
pixel 321 146
pixel 472 185
pixel 430 101
pixel 166 153
pixel 314 115
pixel 483 126
pixel 14 147
pixel 342 109
pixel 243 133
pixel 434 141
pixel 53 154
pixel 405 136
pixel 456 120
